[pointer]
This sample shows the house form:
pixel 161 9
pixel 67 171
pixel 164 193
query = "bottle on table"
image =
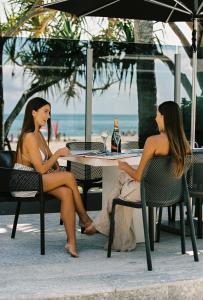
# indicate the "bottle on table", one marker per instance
pixel 116 138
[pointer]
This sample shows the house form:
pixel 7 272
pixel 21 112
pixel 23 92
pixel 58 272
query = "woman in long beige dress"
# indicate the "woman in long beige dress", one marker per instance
pixel 171 140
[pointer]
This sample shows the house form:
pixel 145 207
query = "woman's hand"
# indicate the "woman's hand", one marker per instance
pixel 63 152
pixel 122 165
pixel 128 169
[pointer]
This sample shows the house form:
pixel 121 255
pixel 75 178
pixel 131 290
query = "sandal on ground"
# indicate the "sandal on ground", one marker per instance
pixel 84 226
pixel 91 229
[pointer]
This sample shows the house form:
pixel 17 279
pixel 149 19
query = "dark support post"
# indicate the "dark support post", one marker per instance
pixel 15 222
pixel 42 225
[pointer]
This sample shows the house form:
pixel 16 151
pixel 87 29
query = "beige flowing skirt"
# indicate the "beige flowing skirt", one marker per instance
pixel 124 235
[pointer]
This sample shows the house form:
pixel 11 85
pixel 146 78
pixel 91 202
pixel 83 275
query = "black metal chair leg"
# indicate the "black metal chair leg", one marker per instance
pixel 61 221
pixel 146 235
pixel 151 227
pixel 182 227
pixel 192 231
pixel 15 222
pixel 195 206
pixel 173 212
pixel 199 216
pixel 85 191
pixel 169 214
pixel 111 231
pixel 158 225
pixel 42 229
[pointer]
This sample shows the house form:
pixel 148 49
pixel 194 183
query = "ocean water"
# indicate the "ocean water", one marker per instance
pixel 74 124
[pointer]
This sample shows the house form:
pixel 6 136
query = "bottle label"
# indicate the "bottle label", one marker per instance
pixel 114 148
pixel 116 138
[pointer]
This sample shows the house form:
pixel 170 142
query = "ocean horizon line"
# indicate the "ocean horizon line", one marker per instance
pixel 74 124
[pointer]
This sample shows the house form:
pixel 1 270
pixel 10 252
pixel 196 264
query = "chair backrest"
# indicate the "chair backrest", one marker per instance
pixel 159 186
pixel 7 158
pixel 195 174
pixel 16 180
pixel 83 172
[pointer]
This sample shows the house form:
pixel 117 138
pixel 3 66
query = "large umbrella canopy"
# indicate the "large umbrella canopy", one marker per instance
pixel 155 10
pixel 129 9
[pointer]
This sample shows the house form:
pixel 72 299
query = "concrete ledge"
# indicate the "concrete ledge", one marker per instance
pixel 180 290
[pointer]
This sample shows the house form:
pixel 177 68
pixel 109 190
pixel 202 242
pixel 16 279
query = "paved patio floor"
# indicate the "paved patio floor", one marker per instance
pixel 25 274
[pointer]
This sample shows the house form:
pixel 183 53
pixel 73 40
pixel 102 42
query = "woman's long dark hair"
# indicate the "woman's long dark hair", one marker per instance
pixel 28 121
pixel 173 127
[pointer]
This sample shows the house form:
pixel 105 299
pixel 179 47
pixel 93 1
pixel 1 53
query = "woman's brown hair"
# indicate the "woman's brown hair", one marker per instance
pixel 173 127
pixel 28 121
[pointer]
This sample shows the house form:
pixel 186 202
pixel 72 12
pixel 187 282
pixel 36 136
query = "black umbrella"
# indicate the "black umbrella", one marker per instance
pixel 129 9
pixel 157 10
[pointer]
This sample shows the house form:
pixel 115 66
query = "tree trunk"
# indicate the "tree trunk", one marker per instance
pixel 184 79
pixel 187 47
pixel 147 92
pixel 146 84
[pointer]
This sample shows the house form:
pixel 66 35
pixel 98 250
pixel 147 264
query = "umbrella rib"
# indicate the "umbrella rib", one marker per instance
pixel 168 6
pixel 50 4
pixel 200 7
pixel 99 8
pixel 184 6
pixel 167 20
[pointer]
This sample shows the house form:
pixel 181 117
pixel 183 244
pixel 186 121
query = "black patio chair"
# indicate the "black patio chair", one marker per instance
pixel 172 210
pixel 87 176
pixel 195 185
pixel 159 188
pixel 18 180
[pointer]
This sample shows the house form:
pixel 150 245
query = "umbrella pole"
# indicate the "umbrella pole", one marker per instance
pixel 194 83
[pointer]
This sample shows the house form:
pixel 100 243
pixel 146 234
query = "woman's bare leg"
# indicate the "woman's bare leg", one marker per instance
pixel 57 179
pixel 65 195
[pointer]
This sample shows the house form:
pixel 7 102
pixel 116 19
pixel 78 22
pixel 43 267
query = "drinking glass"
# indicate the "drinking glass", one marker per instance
pixel 104 136
pixel 117 138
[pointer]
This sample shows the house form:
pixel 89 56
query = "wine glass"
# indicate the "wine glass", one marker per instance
pixel 117 139
pixel 104 136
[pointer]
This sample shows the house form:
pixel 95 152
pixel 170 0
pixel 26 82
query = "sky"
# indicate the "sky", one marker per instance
pixel 114 100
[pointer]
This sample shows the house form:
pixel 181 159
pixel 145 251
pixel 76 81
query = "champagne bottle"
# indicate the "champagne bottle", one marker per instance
pixel 116 138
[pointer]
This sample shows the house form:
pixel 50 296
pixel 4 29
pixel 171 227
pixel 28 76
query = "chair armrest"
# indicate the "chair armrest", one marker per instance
pixel 20 180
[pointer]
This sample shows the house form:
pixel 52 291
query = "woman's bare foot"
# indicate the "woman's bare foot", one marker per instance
pixel 70 249
pixel 91 229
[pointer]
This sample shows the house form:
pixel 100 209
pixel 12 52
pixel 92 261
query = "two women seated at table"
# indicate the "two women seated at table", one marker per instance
pixel 171 140
pixel 33 153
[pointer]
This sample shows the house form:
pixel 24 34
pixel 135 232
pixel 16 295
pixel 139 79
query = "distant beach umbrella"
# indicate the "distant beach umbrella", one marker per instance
pixel 55 126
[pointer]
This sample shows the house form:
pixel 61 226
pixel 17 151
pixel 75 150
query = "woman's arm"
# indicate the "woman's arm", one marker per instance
pixel 148 153
pixel 35 156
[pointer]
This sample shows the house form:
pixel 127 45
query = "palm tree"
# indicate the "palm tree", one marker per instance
pixel 55 64
pixel 36 21
pixel 26 16
pixel 142 32
pixel 21 13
